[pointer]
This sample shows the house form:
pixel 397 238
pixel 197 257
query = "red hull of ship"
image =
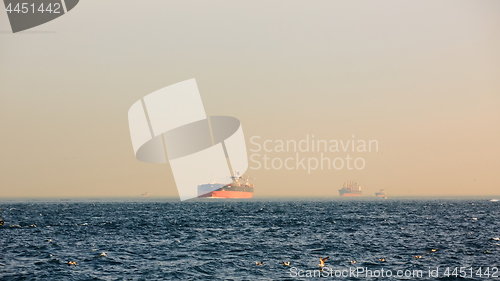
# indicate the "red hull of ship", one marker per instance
pixel 228 194
pixel 350 195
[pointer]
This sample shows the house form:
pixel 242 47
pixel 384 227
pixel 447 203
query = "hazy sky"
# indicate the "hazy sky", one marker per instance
pixel 420 77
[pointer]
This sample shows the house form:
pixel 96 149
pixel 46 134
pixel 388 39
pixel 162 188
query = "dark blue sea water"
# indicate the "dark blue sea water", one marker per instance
pixel 213 239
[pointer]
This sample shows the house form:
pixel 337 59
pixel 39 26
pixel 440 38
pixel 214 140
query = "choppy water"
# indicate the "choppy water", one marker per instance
pixel 214 239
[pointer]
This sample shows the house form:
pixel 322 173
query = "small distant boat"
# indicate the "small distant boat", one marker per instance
pixel 494 200
pixel 1 222
pixel 381 193
pixel 145 194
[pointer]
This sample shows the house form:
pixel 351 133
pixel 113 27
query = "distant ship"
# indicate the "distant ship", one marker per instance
pixel 145 194
pixel 381 193
pixel 350 188
pixel 239 188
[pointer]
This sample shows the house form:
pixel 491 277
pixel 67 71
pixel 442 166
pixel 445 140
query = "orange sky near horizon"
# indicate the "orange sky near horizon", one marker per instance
pixel 421 78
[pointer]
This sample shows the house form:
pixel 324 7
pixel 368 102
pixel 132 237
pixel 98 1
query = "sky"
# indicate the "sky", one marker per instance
pixel 419 77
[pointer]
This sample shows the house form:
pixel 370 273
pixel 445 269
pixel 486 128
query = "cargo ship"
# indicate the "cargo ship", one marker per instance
pixel 350 188
pixel 239 188
pixel 381 193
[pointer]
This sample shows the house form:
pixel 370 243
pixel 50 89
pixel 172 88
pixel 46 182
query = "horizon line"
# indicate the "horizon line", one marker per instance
pixel 246 199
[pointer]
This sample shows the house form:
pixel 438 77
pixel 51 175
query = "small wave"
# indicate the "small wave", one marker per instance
pixel 495 238
pixel 55 261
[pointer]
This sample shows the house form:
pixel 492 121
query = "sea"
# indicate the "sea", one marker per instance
pixel 218 239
